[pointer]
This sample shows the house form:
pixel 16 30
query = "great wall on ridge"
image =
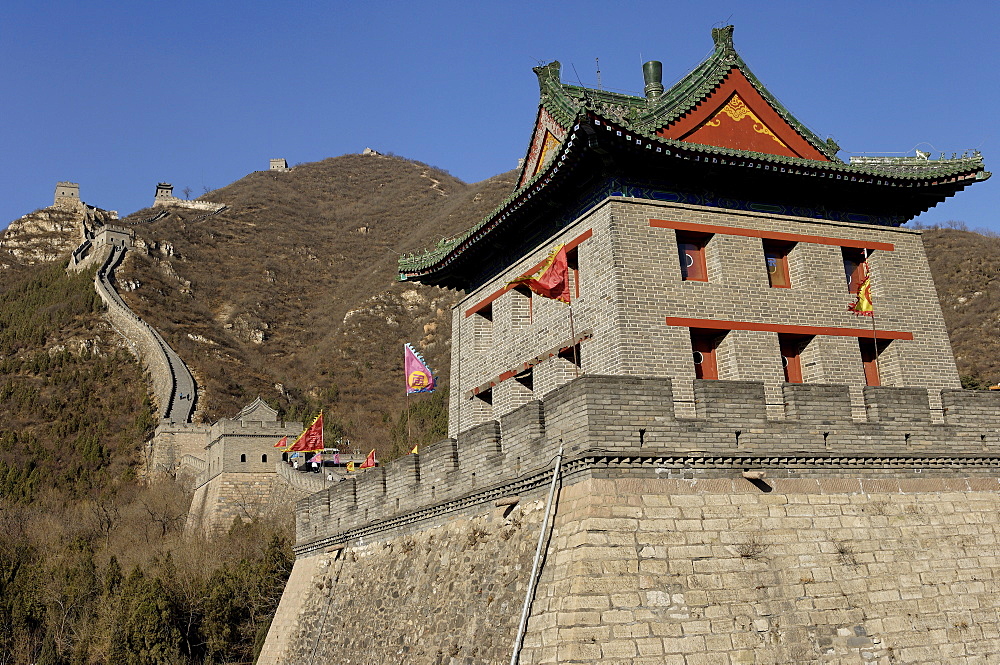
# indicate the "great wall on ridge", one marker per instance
pixel 671 438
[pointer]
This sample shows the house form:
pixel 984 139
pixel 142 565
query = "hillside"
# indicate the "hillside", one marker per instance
pixel 966 269
pixel 291 292
pixel 93 566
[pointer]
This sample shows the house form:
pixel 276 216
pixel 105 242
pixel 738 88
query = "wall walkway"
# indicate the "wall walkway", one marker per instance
pixel 173 383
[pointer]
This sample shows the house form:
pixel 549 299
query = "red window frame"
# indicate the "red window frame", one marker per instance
pixel 855 267
pixel 573 261
pixel 704 347
pixel 691 256
pixel 870 351
pixel 791 356
pixel 776 259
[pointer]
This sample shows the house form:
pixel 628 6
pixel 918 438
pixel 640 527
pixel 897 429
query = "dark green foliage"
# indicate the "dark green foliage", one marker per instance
pixel 145 631
pixel 428 422
pixel 49 301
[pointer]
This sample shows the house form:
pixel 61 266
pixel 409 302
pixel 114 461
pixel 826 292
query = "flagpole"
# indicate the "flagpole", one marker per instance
pixel 868 270
pixel 572 341
pixel 529 594
pixel 408 435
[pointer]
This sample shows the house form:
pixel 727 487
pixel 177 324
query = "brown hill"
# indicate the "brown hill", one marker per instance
pixel 291 292
pixel 966 267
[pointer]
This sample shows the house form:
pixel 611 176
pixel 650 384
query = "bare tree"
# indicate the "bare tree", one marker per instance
pixel 187 192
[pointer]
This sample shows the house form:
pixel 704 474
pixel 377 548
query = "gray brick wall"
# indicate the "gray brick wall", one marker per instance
pixel 630 283
pixel 635 418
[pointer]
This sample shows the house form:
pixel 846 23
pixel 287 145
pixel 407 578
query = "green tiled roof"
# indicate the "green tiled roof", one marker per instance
pixel 639 118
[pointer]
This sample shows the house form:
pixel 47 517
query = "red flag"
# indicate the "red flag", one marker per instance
pixel 311 439
pixel 552 279
pixel 369 461
pixel 282 443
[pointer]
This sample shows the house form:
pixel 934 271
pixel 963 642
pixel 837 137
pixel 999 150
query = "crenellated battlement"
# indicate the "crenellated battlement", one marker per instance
pixel 631 421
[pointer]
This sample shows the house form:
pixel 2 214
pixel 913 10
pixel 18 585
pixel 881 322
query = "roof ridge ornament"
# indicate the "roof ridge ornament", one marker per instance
pixel 723 38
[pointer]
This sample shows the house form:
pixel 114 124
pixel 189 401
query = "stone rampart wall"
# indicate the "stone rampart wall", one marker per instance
pixel 631 422
pixel 308 483
pixel 245 496
pixel 185 203
pixel 142 339
pixel 170 376
pixel 842 569
pixel 173 441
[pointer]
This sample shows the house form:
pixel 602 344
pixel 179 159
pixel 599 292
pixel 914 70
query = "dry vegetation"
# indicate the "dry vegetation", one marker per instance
pixel 966 269
pixel 291 293
pixel 93 568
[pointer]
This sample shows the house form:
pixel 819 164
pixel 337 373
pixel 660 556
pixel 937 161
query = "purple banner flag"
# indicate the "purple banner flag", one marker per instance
pixel 419 377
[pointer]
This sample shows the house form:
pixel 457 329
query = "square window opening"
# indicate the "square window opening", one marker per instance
pixel 485 312
pixel 704 353
pixel 526 378
pixel 573 261
pixel 792 347
pixel 572 354
pixel 870 352
pixel 776 257
pixel 855 267
pixel 482 327
pixel 691 253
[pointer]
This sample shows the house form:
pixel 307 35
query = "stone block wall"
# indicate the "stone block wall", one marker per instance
pixel 236 446
pixel 186 203
pixel 632 418
pixel 172 441
pixel 630 284
pixel 845 568
pixel 244 496
pixel 142 339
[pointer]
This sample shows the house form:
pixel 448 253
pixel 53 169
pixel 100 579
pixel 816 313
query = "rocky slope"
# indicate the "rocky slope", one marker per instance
pixel 291 293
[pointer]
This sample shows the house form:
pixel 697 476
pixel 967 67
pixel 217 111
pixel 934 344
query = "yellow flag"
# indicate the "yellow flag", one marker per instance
pixel 350 467
pixel 863 306
pixel 414 451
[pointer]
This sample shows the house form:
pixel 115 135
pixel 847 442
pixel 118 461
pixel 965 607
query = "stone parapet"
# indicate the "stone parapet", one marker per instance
pixel 630 423
pixel 228 497
pixel 306 482
pixel 184 203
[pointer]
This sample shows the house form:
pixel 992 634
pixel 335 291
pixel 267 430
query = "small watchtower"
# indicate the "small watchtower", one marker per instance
pixel 164 192
pixel 66 192
pixel 279 164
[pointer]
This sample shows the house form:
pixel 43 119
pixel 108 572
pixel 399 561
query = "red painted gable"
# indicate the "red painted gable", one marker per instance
pixel 735 116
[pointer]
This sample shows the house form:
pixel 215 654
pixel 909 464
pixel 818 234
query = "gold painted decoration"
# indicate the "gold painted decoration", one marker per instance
pixel 737 110
pixel 548 148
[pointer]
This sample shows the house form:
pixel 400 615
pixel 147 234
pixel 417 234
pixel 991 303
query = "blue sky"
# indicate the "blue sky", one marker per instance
pixel 121 95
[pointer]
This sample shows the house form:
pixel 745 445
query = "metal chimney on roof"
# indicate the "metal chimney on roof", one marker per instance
pixel 652 72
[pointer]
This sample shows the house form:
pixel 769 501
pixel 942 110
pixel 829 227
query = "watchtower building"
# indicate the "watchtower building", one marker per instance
pixel 709 235
pixel 279 164
pixel 719 434
pixel 164 192
pixel 66 192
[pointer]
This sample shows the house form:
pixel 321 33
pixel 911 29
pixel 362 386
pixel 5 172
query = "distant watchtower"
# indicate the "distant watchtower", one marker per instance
pixel 279 164
pixel 66 192
pixel 164 192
